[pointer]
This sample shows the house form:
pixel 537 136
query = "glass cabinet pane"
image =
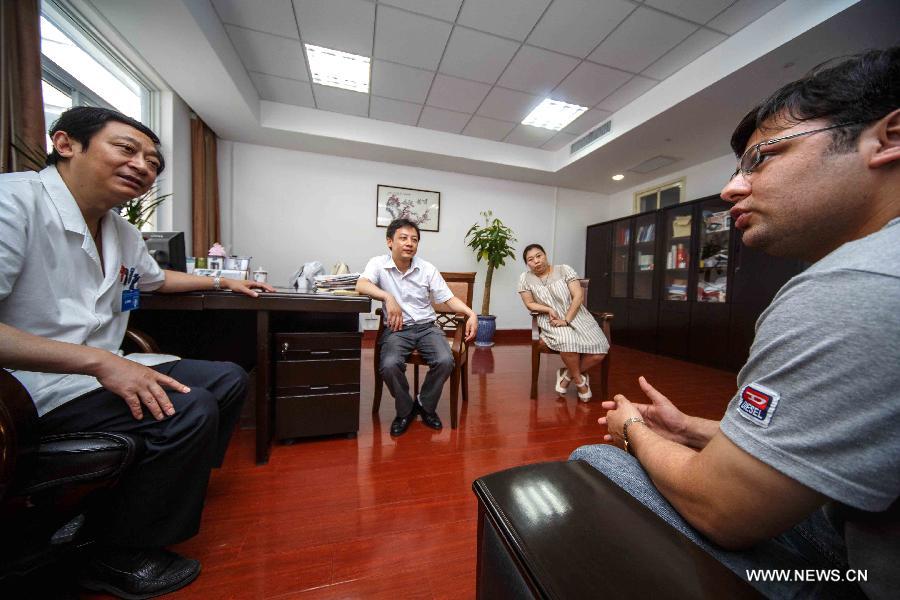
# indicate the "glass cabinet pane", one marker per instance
pixel 678 253
pixel 644 256
pixel 714 243
pixel 621 241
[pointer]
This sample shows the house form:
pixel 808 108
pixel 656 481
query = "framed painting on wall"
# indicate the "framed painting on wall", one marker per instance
pixel 422 207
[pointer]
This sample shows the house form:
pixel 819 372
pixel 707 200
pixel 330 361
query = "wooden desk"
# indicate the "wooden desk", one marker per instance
pixel 228 326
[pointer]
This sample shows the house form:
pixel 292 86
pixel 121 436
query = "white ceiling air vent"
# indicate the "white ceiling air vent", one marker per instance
pixel 596 133
pixel 652 164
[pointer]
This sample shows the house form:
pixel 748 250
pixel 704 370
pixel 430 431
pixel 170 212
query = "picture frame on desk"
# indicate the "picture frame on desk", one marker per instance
pixel 422 207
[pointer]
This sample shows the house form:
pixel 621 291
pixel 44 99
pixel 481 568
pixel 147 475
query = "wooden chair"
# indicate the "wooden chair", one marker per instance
pixel 538 346
pixel 453 325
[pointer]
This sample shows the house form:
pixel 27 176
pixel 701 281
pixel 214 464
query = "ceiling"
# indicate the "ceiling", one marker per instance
pixel 478 67
pixel 452 79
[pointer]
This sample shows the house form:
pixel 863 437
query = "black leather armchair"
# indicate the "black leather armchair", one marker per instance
pixel 563 530
pixel 46 483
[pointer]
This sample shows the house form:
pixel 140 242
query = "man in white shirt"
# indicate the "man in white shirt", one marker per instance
pixel 71 269
pixel 408 286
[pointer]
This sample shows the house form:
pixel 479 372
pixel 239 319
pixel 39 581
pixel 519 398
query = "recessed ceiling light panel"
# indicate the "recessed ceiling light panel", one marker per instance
pixel 338 69
pixel 553 114
pixel 618 177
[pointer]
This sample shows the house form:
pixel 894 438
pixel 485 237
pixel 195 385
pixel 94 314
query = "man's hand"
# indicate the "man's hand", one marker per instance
pixel 138 385
pixel 246 287
pixel 618 410
pixel 394 313
pixel 661 415
pixel 471 327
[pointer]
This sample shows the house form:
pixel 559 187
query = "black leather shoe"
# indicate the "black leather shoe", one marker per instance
pixel 138 574
pixel 431 419
pixel 401 424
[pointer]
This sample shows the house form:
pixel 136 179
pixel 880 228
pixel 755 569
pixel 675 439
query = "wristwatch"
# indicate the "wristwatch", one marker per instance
pixel 217 283
pixel 625 425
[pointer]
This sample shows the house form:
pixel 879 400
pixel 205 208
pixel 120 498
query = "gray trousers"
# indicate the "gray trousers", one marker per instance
pixel 396 346
pixel 811 544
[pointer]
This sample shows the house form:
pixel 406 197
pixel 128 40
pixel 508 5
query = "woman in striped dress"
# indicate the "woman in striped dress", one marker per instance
pixel 566 325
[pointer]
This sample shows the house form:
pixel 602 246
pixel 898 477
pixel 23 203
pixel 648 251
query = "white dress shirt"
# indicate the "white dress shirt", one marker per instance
pixel 51 281
pixel 415 290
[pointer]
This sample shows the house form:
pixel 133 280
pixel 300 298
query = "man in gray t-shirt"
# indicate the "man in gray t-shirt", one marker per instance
pixel 814 421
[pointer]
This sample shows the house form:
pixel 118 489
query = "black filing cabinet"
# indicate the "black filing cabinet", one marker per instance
pixel 316 383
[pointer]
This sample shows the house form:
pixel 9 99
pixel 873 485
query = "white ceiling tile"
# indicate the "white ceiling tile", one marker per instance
pixel 742 13
pixel 489 129
pixel 508 105
pixel 345 25
pixel 396 111
pixel 274 16
pixel 410 39
pixel 560 140
pixel 280 89
pixel 526 135
pixel 440 9
pixel 400 82
pixel 697 44
pixel 456 94
pixel 443 120
pixel 576 26
pixel 587 121
pixel 589 84
pixel 509 18
pixel 628 92
pixel 698 11
pixel 271 54
pixel 342 101
pixel 642 38
pixel 474 55
pixel 536 71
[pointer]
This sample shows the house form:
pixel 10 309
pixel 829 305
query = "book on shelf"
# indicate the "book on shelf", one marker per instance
pixel 645 233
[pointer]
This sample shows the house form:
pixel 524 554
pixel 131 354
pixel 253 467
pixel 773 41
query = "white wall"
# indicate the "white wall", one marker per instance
pixel 286 207
pixel 701 180
pixel 175 133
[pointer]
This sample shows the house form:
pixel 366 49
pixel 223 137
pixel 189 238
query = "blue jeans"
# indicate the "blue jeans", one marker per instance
pixel 811 544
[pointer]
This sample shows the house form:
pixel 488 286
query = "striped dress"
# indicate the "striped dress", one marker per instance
pixel 583 334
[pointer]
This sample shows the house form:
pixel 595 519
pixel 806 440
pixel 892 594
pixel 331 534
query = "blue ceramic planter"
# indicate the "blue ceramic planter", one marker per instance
pixel 487 325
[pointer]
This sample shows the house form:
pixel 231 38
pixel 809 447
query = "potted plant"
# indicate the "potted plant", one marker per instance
pixel 492 242
pixel 138 211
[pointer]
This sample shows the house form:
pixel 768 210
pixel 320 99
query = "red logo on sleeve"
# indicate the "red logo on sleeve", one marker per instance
pixel 757 403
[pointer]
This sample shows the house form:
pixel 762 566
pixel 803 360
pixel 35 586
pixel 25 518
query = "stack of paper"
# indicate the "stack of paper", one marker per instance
pixel 342 285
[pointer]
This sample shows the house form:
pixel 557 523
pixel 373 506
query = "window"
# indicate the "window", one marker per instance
pixel 80 69
pixel 665 195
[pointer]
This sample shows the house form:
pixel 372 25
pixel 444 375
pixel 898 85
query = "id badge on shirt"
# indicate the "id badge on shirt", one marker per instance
pixel 131 296
pixel 131 299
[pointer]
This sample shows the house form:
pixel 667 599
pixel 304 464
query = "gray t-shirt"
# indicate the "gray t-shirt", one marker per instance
pixel 819 396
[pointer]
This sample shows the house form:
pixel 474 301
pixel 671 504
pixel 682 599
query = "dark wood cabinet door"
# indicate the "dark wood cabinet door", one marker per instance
pixel 597 265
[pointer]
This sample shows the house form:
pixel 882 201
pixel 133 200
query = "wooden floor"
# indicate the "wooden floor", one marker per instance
pixel 378 517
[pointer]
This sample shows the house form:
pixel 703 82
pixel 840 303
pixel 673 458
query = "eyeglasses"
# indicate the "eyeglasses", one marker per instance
pixel 751 157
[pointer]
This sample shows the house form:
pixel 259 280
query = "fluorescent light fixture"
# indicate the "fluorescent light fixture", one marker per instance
pixel 553 114
pixel 338 69
pixel 618 177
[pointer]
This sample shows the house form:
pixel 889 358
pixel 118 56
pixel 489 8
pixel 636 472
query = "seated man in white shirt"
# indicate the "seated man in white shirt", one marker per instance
pixel 71 269
pixel 407 286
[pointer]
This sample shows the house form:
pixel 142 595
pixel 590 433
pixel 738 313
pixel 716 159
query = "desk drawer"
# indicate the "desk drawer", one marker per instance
pixel 294 373
pixel 317 346
pixel 326 414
